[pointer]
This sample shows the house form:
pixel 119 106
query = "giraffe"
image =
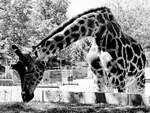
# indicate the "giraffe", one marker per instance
pixel 127 58
pixel 25 68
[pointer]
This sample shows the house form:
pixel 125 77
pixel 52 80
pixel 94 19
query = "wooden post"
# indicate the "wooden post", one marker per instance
pixel 42 95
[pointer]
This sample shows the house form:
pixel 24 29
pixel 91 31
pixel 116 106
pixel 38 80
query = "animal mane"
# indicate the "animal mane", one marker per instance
pixel 66 23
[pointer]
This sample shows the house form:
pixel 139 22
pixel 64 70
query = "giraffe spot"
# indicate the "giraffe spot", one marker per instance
pixel 83 30
pixel 127 41
pixel 104 42
pixel 104 10
pixel 119 47
pixel 119 71
pixel 113 54
pixel 96 63
pixel 117 82
pixel 129 53
pixel 68 41
pixel 131 39
pixel 140 47
pixel 116 28
pixel 54 50
pixel 75 36
pixel 106 16
pixel 47 43
pixel 75 28
pixel 113 80
pixel 98 82
pixel 109 37
pixel 43 62
pixel 58 38
pixel 142 77
pixel 89 32
pixel 67 32
pixel 37 75
pixel 43 44
pixel 52 47
pixel 124 40
pixel 32 82
pixel 99 34
pixel 109 64
pixel 38 81
pixel 60 45
pixel 41 73
pixel 100 72
pixel 130 74
pixel 111 29
pixel 136 49
pixel 81 21
pixel 121 78
pixel 124 54
pixel 131 67
pixel 123 83
pixel 43 50
pixel 111 17
pixel 40 78
pixel 111 44
pixel 135 72
pixel 47 52
pixel 91 16
pixel 90 23
pixel 139 64
pixel 100 19
pixel 121 62
pixel 109 75
pixel 143 58
pixel 36 53
pixel 113 69
pixel 96 23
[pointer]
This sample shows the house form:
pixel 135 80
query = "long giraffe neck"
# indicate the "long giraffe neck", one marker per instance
pixel 93 23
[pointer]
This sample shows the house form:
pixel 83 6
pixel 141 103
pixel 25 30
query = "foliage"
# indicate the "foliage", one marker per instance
pixel 77 52
pixel 133 18
pixel 26 22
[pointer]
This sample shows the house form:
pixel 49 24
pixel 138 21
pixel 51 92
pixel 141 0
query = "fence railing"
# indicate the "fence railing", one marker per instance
pixel 50 78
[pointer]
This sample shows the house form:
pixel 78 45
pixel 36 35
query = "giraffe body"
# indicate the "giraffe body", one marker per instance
pixel 124 56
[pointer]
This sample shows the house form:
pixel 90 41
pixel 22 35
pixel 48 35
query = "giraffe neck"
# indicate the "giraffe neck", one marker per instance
pixel 93 23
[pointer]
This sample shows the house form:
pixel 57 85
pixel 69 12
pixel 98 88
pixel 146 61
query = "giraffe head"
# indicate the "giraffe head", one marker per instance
pixel 29 80
pixel 30 71
pixel 20 67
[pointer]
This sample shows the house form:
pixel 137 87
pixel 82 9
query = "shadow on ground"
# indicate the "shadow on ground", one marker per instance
pixel 37 107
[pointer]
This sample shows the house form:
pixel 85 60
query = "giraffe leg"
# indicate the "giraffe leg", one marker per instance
pixel 136 96
pixel 141 82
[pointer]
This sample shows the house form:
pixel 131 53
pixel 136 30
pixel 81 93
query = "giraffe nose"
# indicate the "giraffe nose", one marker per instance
pixel 26 97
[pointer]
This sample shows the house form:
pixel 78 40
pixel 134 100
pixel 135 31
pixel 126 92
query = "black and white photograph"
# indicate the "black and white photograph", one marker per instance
pixel 74 56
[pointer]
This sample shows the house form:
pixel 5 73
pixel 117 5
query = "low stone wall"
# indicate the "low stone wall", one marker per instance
pixel 13 94
pixel 80 91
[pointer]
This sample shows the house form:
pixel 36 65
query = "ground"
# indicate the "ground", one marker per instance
pixel 38 107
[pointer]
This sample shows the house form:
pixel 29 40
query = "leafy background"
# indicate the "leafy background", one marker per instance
pixel 26 22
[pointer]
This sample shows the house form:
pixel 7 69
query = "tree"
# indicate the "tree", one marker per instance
pixel 26 22
pixel 133 18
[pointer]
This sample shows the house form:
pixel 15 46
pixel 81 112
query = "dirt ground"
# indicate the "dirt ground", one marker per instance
pixel 37 107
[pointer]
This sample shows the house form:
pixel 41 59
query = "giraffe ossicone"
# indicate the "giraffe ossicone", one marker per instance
pixel 125 57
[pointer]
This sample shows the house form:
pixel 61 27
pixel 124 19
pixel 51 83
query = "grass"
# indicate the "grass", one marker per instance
pixel 38 107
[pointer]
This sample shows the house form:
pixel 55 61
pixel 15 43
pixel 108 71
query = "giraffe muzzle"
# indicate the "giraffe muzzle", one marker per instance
pixel 26 97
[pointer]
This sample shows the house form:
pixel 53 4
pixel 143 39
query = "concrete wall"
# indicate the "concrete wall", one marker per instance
pixel 79 91
pixel 13 94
